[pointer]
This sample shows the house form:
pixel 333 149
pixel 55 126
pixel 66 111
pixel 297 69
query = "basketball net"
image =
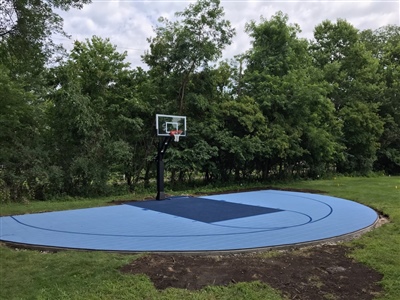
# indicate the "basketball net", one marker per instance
pixel 176 134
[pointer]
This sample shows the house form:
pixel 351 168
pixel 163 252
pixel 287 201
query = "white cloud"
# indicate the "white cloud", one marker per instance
pixel 129 23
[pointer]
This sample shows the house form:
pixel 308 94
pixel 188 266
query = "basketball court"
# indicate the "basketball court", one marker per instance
pixel 245 221
pixel 219 223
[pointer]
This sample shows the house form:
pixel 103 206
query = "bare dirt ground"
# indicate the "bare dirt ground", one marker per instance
pixel 319 272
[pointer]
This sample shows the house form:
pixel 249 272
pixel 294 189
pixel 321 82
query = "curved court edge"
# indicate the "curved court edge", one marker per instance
pixel 334 240
pixel 218 224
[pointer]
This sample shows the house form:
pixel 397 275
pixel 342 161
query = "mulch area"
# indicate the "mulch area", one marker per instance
pixel 319 272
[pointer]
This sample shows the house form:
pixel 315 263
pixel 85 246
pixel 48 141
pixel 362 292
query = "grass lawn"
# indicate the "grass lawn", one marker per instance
pixel 27 274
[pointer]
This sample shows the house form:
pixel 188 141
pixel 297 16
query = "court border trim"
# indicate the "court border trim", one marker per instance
pixel 332 240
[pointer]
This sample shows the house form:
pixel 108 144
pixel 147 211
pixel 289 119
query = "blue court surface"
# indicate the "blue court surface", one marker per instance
pixel 229 222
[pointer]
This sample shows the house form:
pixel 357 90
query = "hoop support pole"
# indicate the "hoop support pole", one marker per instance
pixel 162 148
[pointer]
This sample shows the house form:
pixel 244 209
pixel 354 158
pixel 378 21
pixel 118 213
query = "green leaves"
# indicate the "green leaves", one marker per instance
pixel 286 107
pixel 23 169
pixel 242 116
pixel 362 130
pixel 25 30
pixel 181 47
pixel 275 45
pixel 301 129
pixel 93 108
pixel 356 90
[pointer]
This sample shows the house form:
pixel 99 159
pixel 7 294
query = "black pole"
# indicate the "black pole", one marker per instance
pixel 160 167
pixel 160 179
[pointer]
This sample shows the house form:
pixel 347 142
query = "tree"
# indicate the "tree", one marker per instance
pixel 179 53
pixel 92 114
pixel 348 66
pixel 26 46
pixel 23 170
pixel 362 130
pixel 180 47
pixel 352 72
pixel 239 135
pixel 26 28
pixel 384 43
pixel 275 46
pixel 301 131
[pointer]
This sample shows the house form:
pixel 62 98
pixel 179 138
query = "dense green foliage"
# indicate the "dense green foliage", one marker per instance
pixel 287 107
pixel 26 27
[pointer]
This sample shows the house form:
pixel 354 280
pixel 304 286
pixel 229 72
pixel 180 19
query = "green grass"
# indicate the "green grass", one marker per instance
pixel 27 274
pixel 94 275
pixel 62 204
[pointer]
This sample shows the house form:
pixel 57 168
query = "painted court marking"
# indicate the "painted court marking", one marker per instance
pixel 227 222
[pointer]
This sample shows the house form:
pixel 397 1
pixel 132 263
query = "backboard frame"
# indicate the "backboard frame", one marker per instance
pixel 167 123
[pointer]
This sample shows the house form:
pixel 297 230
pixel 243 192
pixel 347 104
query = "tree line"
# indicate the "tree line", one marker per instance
pixel 83 123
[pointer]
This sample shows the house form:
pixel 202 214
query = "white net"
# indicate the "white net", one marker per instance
pixel 176 134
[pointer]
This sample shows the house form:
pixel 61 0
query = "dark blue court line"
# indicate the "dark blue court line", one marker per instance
pixel 330 207
pixel 271 228
pixel 194 235
pixel 137 236
pixel 293 226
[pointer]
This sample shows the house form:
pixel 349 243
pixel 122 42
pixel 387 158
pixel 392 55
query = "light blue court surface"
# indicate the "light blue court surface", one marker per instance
pixel 241 221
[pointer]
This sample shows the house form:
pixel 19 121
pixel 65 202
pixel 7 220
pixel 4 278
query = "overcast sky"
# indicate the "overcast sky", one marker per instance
pixel 129 22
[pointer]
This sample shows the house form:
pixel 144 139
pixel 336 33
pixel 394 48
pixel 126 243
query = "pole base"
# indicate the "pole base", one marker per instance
pixel 160 196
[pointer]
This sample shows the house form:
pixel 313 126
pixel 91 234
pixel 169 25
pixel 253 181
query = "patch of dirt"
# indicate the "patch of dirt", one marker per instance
pixel 319 272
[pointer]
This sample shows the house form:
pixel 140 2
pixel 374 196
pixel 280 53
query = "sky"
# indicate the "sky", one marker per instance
pixel 128 23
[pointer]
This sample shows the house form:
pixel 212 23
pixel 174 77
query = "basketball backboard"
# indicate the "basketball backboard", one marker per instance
pixel 167 123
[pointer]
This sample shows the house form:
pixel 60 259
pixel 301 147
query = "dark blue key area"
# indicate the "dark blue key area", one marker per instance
pixel 203 209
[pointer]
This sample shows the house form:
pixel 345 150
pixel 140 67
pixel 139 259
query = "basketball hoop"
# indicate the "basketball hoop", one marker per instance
pixel 176 134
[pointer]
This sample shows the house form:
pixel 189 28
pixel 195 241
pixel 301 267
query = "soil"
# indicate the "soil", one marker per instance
pixel 319 272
